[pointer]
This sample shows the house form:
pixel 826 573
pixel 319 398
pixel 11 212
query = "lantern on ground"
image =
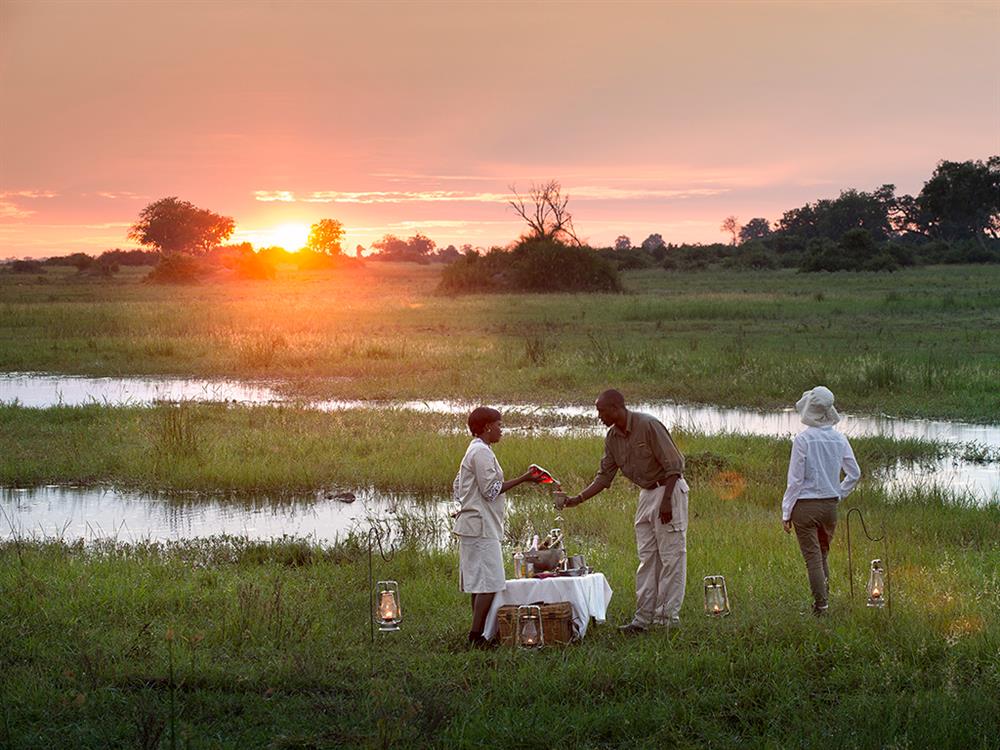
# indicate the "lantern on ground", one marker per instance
pixel 876 585
pixel 716 596
pixel 529 633
pixel 387 611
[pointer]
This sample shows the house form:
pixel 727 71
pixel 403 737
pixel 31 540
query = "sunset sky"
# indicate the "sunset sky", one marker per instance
pixel 403 117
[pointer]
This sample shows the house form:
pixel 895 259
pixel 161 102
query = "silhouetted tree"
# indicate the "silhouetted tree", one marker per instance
pixel 325 236
pixel 960 201
pixel 731 225
pixel 623 243
pixel 545 211
pixel 755 229
pixel 653 242
pixel 417 249
pixel 175 226
pixel 853 209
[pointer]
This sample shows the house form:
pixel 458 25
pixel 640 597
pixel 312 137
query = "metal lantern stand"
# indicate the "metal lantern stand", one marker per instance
pixel 884 559
pixel 376 534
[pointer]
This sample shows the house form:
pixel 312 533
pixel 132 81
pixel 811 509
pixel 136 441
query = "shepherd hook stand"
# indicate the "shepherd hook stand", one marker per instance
pixel 885 556
pixel 379 530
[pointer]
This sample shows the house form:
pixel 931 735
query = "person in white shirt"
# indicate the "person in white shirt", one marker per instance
pixel 479 488
pixel 819 453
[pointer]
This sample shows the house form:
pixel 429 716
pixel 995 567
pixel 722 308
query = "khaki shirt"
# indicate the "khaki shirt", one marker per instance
pixel 644 452
pixel 477 489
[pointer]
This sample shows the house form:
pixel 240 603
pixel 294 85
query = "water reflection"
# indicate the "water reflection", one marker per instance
pixel 89 513
pixel 37 390
pixel 41 391
pixel 979 478
pixel 951 477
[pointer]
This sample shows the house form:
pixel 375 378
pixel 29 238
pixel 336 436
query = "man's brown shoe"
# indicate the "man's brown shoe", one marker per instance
pixel 633 628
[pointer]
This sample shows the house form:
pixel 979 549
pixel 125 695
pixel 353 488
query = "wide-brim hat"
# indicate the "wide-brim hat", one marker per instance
pixel 815 408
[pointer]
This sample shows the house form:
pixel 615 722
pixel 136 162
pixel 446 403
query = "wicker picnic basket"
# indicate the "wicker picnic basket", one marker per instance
pixel 557 623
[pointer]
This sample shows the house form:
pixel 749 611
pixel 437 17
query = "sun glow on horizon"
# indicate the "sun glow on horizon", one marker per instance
pixel 290 236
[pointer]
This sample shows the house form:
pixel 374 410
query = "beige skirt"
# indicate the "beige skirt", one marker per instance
pixel 480 566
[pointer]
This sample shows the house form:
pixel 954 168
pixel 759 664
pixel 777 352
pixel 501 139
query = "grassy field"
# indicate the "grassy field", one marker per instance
pixel 225 643
pixel 233 645
pixel 230 644
pixel 922 342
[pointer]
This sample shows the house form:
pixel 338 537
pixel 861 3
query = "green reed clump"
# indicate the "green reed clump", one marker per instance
pixel 175 433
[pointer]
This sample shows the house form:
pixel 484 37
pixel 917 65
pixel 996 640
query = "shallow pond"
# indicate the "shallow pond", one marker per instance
pixel 40 390
pixel 96 513
pixel 978 479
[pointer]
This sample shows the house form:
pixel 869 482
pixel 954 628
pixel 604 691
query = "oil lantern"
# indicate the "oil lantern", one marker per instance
pixel 876 585
pixel 716 596
pixel 529 633
pixel 387 612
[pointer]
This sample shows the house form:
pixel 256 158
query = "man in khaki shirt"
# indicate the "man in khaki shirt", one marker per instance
pixel 641 447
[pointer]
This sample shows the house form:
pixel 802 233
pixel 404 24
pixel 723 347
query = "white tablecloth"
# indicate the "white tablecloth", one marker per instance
pixel 589 595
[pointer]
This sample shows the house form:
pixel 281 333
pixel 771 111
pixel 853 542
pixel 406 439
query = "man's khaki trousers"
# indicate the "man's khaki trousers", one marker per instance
pixel 662 573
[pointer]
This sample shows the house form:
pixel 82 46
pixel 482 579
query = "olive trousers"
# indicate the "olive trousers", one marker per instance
pixel 814 521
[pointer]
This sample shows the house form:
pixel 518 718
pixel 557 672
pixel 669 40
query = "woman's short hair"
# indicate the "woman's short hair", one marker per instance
pixel 480 417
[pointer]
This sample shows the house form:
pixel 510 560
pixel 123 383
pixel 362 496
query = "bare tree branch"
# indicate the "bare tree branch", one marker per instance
pixel 548 217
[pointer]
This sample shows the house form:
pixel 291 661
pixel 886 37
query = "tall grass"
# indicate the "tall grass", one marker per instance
pixel 380 332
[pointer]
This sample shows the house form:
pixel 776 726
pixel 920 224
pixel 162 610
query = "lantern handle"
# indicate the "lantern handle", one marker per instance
pixel 850 559
pixel 379 530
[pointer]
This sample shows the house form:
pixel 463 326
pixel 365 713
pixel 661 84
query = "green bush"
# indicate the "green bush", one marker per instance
pixel 753 255
pixel 532 266
pixel 634 258
pixel 179 268
pixel 254 266
pixel 24 266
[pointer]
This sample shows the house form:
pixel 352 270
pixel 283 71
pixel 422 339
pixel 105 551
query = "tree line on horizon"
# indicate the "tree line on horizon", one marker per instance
pixel 955 218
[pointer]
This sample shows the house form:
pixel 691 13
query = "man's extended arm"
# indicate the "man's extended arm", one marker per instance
pixel 605 475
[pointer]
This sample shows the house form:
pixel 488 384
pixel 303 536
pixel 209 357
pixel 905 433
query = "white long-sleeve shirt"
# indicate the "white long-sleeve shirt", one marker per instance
pixel 818 455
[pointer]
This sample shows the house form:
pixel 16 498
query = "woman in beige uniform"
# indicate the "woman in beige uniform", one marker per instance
pixel 479 488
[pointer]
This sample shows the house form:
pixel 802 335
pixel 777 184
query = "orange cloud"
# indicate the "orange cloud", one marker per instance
pixel 459 196
pixel 9 208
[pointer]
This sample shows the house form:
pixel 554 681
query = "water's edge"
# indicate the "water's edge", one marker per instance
pixel 954 475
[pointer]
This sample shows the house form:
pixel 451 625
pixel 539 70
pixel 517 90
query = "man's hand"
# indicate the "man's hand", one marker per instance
pixel 567 502
pixel 787 526
pixel 667 503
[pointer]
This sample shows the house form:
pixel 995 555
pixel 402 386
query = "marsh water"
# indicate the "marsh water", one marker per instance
pixel 88 513
pixel 39 390
pixel 104 513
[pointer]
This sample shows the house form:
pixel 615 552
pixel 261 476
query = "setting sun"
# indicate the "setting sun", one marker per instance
pixel 292 237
